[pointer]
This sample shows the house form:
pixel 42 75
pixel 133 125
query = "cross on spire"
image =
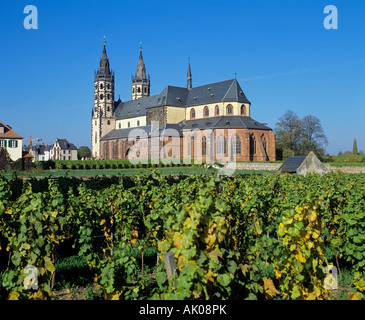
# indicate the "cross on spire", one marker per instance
pixel 104 41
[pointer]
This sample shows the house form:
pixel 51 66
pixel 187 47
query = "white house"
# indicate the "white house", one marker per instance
pixel 63 150
pixel 40 152
pixel 11 141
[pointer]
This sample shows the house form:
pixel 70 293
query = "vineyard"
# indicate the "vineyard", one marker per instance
pixel 242 237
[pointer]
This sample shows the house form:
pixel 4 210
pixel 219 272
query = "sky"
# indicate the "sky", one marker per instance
pixel 279 50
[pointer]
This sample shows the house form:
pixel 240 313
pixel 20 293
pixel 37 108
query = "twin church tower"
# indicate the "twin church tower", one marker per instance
pixel 103 113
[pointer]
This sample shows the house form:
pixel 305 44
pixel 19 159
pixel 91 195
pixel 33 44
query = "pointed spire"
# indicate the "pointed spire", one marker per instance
pixel 141 68
pixel 189 78
pixel 104 68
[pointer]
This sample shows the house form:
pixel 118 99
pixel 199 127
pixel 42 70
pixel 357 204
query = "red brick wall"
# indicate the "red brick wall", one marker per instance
pixel 117 149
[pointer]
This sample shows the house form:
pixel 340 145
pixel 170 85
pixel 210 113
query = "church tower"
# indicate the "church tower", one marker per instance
pixel 189 78
pixel 140 83
pixel 103 120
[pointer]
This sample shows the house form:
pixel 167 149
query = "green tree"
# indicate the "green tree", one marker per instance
pixel 296 136
pixel 312 136
pixel 5 160
pixel 83 152
pixel 287 132
pixel 354 148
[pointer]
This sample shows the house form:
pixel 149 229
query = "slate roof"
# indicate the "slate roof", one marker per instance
pixel 65 145
pixel 292 164
pixel 228 90
pixel 124 133
pixel 8 132
pixel 144 131
pixel 222 122
pixel 41 148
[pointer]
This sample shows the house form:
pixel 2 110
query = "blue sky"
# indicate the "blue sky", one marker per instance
pixel 283 56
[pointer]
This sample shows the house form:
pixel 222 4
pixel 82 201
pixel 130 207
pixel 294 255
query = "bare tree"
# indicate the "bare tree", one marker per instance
pixel 312 135
pixel 296 136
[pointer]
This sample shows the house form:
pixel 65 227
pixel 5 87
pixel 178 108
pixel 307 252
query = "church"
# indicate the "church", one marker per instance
pixel 206 123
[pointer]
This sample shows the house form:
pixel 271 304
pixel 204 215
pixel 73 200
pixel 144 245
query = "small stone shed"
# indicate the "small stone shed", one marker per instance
pixel 303 165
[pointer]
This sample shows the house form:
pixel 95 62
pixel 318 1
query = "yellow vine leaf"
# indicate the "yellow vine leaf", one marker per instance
pixel 210 239
pixel 356 296
pixel 178 242
pixel 38 296
pixel 257 227
pixel 277 274
pixel 269 287
pixel 114 296
pixel 209 275
pixel 300 257
pixel 14 295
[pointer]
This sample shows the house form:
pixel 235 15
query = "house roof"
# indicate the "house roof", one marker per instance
pixel 41 148
pixel 229 91
pixel 8 132
pixel 292 164
pixel 223 122
pixel 65 145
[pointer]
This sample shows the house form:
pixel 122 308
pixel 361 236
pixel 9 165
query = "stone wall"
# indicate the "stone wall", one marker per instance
pixel 348 169
pixel 276 166
pixel 257 166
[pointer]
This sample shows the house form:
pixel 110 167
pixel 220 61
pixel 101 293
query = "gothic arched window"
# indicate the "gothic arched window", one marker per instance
pixel 204 146
pixel 243 110
pixel 216 111
pixel 221 145
pixel 252 144
pixel 206 111
pixel 263 141
pixel 101 96
pixel 192 113
pixel 236 144
pixel 229 109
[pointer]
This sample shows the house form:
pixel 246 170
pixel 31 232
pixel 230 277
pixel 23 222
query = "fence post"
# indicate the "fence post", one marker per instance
pixel 111 229
pixel 170 264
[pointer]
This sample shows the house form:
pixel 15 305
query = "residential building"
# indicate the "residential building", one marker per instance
pixel 63 150
pixel 11 141
pixel 40 152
